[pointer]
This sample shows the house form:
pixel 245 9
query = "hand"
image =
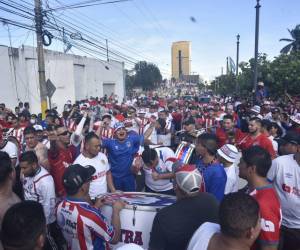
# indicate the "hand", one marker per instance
pixel 85 114
pixel 99 202
pixel 155 176
pixel 118 205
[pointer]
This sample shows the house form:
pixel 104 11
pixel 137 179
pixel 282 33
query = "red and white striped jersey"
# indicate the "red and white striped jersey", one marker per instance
pixel 18 133
pixel 144 122
pixel 83 226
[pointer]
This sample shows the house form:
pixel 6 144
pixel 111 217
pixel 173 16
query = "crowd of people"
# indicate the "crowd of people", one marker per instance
pixel 55 172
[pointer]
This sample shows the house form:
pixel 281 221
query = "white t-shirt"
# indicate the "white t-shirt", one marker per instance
pixel 164 140
pixel 166 158
pixel 285 175
pixel 232 183
pixel 11 149
pixel 202 236
pixel 274 143
pixel 41 188
pixel 98 185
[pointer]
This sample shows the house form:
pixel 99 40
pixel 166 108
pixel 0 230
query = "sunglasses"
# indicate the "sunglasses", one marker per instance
pixel 64 133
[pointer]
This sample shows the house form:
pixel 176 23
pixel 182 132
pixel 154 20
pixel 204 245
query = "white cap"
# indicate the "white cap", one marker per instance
pixel 260 84
pixel 38 127
pixel 255 109
pixel 188 178
pixel 228 152
pixel 296 118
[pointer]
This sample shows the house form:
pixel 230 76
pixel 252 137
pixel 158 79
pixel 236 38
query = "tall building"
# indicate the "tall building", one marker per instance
pixel 181 59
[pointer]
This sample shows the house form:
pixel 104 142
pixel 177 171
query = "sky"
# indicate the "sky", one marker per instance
pixel 145 29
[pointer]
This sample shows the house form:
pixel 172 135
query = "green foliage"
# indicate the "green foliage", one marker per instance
pixel 147 75
pixel 294 41
pixel 281 74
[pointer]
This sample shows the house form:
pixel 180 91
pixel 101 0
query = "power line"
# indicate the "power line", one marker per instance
pixel 74 6
pixel 112 41
pixel 12 63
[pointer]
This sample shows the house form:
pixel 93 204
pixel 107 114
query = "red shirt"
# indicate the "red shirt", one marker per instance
pixel 222 136
pixel 260 140
pixel 270 212
pixel 59 161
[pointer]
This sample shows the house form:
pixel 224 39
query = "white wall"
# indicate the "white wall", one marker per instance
pixel 75 77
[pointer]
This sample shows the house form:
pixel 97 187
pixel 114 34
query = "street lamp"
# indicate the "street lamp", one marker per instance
pixel 237 61
pixel 257 7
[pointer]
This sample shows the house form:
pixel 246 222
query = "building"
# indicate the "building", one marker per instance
pixel 181 59
pixel 75 77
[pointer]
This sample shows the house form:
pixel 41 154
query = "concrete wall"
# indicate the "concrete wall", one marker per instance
pixel 75 77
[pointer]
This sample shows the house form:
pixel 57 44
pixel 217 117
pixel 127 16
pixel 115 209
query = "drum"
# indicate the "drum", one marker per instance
pixel 184 152
pixel 137 216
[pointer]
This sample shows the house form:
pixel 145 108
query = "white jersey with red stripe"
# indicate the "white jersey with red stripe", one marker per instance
pixel 144 122
pixel 18 133
pixel 166 158
pixel 83 226
pixel 41 188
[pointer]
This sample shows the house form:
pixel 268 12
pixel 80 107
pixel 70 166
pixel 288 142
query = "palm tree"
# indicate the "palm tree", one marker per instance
pixel 294 44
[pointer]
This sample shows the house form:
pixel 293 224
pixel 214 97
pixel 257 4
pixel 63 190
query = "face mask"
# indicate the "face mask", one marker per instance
pixel 32 121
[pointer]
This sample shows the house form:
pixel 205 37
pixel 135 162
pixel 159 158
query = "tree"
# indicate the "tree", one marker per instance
pixel 224 84
pixel 294 43
pixel 147 75
pixel 129 80
pixel 285 74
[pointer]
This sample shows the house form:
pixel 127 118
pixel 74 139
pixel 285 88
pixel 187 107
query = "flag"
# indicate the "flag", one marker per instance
pixel 231 65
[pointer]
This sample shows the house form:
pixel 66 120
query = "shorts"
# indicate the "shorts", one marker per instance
pixel 126 184
pixel 289 238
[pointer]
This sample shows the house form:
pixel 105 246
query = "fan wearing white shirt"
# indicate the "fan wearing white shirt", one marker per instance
pixel 38 185
pixel 227 155
pixel 158 169
pixel 238 229
pixel 285 176
pixel 91 156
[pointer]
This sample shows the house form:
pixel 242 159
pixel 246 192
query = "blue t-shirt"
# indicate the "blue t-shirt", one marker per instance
pixel 214 178
pixel 121 154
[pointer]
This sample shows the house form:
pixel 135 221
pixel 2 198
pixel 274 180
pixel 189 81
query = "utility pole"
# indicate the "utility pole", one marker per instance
pixel 257 7
pixel 227 66
pixel 237 60
pixel 107 50
pixel 180 64
pixel 40 54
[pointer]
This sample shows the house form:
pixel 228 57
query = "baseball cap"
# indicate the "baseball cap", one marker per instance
pixel 260 84
pixel 295 118
pixel 255 109
pixel 188 178
pixel 142 111
pixel 75 176
pixel 161 110
pixel 38 127
pixel 119 125
pixel 275 110
pixel 228 152
pixel 291 137
pixel 189 121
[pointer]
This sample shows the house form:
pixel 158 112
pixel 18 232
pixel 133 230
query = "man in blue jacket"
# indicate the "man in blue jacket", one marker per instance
pixel 213 172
